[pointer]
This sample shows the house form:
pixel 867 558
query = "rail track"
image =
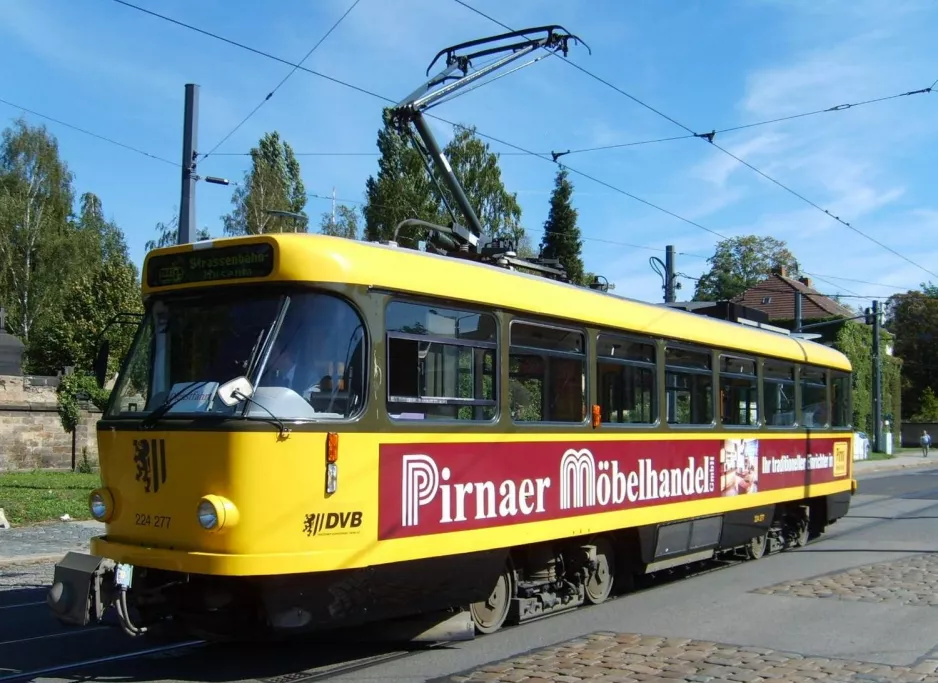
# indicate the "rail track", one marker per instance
pixel 326 671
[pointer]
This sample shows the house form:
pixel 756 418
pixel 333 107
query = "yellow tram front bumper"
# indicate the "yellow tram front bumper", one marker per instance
pixel 221 564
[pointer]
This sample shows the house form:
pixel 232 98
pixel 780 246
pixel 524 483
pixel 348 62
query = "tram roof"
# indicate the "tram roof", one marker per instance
pixel 321 258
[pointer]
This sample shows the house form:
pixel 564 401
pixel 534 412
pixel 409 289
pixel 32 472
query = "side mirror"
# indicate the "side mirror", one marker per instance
pixel 100 363
pixel 236 390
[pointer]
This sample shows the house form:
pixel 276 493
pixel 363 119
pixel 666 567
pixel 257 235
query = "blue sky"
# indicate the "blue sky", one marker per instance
pixel 120 73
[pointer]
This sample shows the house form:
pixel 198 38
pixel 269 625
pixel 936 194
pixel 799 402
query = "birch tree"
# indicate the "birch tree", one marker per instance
pixel 35 204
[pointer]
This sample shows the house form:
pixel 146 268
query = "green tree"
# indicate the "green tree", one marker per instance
pixel 273 183
pixel 927 407
pixel 403 189
pixel 400 190
pixel 561 238
pixel 854 340
pixel 105 284
pixel 478 172
pixel 739 263
pixel 913 318
pixel 346 222
pixel 167 234
pixel 35 231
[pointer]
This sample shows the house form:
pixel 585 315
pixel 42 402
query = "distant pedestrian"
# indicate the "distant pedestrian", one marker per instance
pixel 925 440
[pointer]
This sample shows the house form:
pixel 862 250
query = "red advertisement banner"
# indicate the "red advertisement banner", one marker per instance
pixel 441 487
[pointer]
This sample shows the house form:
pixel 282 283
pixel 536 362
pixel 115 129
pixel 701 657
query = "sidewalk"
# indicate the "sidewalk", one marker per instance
pixel 45 542
pixel 899 462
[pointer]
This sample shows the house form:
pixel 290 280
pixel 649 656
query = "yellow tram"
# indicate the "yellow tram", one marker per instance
pixel 311 432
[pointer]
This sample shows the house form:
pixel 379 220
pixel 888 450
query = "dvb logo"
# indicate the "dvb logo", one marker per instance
pixel 318 523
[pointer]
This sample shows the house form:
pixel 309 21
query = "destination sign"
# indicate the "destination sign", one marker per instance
pixel 223 263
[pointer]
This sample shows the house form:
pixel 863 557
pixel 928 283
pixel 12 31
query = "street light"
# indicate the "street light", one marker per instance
pixel 287 214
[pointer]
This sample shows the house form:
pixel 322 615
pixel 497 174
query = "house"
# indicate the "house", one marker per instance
pixel 775 296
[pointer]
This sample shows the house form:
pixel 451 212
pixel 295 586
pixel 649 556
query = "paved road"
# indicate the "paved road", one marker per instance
pixel 859 605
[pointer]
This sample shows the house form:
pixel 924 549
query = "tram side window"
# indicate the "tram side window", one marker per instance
pixel 813 397
pixel 739 391
pixel 625 370
pixel 441 363
pixel 689 386
pixel 547 374
pixel 778 382
pixel 840 399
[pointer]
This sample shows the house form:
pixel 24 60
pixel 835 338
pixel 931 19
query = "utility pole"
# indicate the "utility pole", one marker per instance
pixel 190 140
pixel 877 384
pixel 669 275
pixel 333 207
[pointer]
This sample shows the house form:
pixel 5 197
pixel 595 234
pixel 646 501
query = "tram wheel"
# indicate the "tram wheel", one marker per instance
pixel 755 549
pixel 489 614
pixel 599 585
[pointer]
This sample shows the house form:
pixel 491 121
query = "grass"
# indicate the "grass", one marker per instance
pixel 43 495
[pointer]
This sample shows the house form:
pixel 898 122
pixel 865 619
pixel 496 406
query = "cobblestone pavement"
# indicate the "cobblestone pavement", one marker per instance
pixel 57 538
pixel 908 581
pixel 631 657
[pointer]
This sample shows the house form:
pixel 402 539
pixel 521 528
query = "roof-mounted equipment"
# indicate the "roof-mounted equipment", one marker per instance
pixel 458 240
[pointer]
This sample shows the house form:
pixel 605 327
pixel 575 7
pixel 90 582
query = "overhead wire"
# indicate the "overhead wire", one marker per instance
pixel 283 80
pixel 547 158
pixel 314 195
pixel 862 282
pixel 494 139
pixel 710 136
pixel 90 133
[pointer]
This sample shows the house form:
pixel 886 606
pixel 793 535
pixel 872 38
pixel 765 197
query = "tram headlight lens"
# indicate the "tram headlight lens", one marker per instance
pixel 216 512
pixel 101 504
pixel 208 515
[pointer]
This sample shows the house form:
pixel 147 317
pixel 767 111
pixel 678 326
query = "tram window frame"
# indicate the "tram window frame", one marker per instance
pixel 484 356
pixel 546 356
pixel 771 377
pixel 672 370
pixel 628 367
pixel 804 384
pixel 753 381
pixel 844 407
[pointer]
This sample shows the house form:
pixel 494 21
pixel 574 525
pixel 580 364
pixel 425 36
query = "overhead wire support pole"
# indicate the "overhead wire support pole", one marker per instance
pixel 410 110
pixel 670 276
pixel 877 382
pixel 190 141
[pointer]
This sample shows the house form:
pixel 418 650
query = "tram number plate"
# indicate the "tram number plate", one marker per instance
pixel 156 521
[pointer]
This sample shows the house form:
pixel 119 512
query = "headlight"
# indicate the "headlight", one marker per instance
pixel 101 504
pixel 208 515
pixel 216 512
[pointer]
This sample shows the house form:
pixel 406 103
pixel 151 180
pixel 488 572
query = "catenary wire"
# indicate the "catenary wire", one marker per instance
pixel 862 282
pixel 386 99
pixel 283 80
pixel 451 123
pixel 314 195
pixel 339 200
pixel 253 49
pixel 823 210
pixel 351 201
pixel 709 137
pixel 88 132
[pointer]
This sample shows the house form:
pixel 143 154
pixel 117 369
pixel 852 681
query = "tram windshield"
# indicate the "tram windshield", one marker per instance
pixel 303 352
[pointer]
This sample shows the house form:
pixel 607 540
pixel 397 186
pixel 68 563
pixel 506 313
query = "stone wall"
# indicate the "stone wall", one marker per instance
pixel 31 433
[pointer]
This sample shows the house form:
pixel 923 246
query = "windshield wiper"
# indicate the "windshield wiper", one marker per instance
pixel 167 405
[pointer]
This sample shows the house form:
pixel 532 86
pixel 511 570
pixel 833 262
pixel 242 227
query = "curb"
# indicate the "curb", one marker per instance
pixel 887 465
